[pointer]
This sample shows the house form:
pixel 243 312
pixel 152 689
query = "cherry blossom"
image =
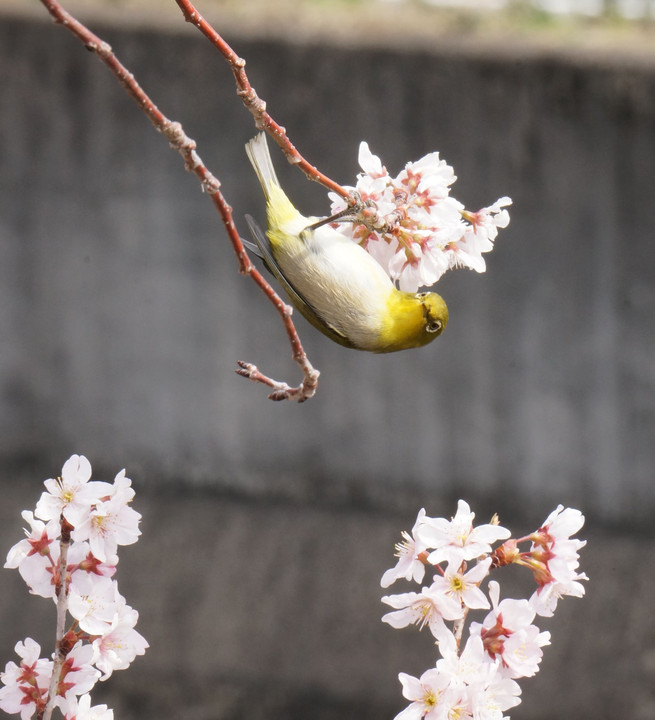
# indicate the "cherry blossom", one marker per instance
pixel 560 525
pixel 72 494
pixel 77 675
pixel 430 696
pixel 119 646
pixel 507 633
pixel 490 699
pixel 458 540
pixel 84 521
pixel 466 667
pixel 82 710
pixel 545 598
pixel 462 587
pixel 25 686
pixel 36 555
pixel 553 558
pixel 110 523
pixel 476 679
pixel 82 560
pixel 412 226
pixel 409 551
pixel 93 601
pixel 423 608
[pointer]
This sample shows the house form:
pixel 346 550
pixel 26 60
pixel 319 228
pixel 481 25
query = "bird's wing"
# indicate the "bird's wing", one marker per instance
pixel 264 251
pixel 251 245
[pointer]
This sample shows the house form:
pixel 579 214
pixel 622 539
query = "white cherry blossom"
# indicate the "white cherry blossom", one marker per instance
pixel 410 566
pixel 83 710
pixel 35 556
pixel 507 634
pixel 463 587
pixel 25 686
pixel 457 540
pixel 72 494
pixel 119 646
pixel 412 226
pixel 430 696
pixel 423 608
pixel 93 602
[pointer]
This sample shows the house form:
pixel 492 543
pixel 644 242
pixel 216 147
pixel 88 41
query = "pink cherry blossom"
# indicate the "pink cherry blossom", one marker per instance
pixel 36 555
pixel 554 560
pixel 25 686
pixel 507 634
pixel 82 560
pixel 77 675
pixel 412 226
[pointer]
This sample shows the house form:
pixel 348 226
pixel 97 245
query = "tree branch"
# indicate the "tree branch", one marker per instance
pixel 178 140
pixel 61 590
pixel 256 105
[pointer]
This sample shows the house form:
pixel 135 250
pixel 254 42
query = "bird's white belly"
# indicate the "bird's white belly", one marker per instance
pixel 340 280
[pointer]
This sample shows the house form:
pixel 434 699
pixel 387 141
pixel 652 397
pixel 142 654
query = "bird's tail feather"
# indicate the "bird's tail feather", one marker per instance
pixel 279 209
pixel 260 157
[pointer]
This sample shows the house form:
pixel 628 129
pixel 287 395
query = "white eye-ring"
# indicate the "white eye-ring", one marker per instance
pixel 434 326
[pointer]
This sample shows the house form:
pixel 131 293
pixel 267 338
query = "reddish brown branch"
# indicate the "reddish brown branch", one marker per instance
pixel 255 104
pixel 178 140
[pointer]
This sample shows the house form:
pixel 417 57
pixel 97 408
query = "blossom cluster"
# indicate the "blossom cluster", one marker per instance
pixel 478 680
pixel 83 521
pixel 412 226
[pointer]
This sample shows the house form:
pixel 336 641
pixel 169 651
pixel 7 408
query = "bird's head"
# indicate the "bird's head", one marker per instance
pixel 435 313
pixel 412 320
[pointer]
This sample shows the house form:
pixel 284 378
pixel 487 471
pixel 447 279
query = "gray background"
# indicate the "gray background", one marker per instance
pixel 267 525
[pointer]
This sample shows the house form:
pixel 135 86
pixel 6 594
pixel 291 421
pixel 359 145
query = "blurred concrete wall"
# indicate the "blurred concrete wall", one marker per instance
pixel 122 316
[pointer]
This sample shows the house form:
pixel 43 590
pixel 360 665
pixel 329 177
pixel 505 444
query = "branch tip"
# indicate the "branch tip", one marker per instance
pixel 282 391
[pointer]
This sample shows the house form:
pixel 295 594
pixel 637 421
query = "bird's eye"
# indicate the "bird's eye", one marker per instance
pixel 434 326
pixel 421 295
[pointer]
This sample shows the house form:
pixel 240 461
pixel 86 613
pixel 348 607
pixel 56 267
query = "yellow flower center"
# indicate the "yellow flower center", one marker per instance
pixel 99 524
pixel 431 699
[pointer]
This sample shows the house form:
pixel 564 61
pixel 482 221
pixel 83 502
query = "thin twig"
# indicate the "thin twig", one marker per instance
pixel 458 629
pixel 61 591
pixel 178 140
pixel 256 105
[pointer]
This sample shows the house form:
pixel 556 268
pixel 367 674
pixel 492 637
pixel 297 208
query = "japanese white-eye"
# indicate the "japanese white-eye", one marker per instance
pixel 337 286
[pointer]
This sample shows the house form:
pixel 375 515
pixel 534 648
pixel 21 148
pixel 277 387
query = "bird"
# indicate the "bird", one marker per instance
pixel 335 283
